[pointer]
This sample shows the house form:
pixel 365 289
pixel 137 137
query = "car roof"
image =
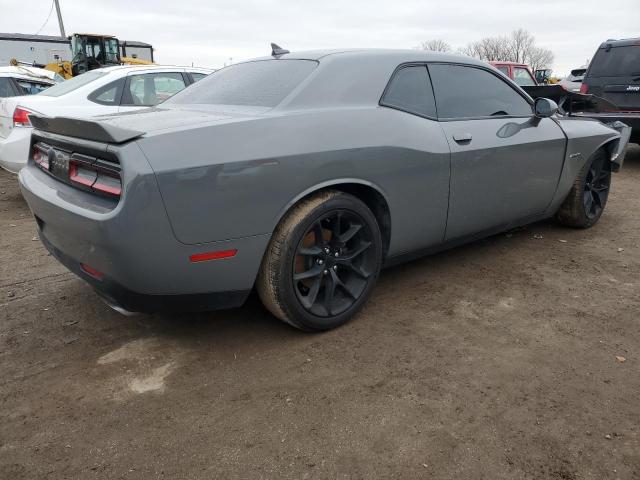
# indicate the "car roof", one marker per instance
pixel 399 55
pixel 623 42
pixel 127 68
pixel 515 64
pixel 26 74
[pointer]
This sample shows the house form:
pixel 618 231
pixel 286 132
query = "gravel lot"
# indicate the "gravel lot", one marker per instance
pixel 514 357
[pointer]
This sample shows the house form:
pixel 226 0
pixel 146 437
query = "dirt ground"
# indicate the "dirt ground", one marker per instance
pixel 497 360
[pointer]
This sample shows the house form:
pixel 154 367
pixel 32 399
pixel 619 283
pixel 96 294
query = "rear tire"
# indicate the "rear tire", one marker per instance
pixel 322 263
pixel 585 203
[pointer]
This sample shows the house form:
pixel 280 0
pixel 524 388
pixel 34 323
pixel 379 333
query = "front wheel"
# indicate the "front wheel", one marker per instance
pixel 322 262
pixel 585 203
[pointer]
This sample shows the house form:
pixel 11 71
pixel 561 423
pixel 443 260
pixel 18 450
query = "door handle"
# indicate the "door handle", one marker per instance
pixel 462 137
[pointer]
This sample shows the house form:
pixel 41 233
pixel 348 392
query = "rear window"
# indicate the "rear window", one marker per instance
pixel 31 88
pixel 617 62
pixel 72 84
pixel 261 83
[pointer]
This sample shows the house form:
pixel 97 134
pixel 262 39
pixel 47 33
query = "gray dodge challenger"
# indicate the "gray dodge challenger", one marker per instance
pixel 302 175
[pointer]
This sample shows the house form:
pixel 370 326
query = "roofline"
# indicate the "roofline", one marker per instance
pixel 623 42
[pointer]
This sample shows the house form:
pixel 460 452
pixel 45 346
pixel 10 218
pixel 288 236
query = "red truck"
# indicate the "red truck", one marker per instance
pixel 518 72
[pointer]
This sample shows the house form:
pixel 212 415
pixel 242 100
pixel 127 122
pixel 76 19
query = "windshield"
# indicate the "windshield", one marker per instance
pixel 617 62
pixel 260 83
pixel 111 50
pixel 72 84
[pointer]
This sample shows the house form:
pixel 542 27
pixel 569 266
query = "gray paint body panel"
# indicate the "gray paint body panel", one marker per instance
pixel 205 178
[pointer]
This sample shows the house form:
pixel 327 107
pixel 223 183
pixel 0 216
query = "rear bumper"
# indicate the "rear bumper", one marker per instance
pixel 122 298
pixel 14 150
pixel 143 266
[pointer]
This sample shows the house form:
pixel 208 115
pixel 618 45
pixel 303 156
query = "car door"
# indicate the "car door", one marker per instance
pixel 149 89
pixel 505 163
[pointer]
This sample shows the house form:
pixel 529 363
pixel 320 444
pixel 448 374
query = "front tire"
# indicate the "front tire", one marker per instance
pixel 322 262
pixel 585 203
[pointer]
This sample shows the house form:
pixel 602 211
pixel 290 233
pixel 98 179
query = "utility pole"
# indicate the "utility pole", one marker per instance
pixel 62 34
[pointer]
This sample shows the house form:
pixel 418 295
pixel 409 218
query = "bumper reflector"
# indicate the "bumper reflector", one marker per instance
pixel 89 270
pixel 220 254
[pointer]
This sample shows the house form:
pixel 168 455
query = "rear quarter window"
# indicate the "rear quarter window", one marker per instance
pixel 410 90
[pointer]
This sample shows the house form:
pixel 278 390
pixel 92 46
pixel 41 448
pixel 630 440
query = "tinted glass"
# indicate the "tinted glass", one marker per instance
pixel 5 88
pixel 504 70
pixel 152 88
pixel 410 90
pixel 108 94
pixel 72 84
pixel 522 77
pixel 261 83
pixel 463 92
pixel 617 62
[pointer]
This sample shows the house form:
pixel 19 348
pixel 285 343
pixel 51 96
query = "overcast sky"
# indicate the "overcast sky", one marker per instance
pixel 209 33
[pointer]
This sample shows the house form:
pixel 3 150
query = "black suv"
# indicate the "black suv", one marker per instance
pixel 614 74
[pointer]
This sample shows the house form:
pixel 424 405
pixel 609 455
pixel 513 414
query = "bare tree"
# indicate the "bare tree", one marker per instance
pixel 436 45
pixel 488 48
pixel 519 46
pixel 539 58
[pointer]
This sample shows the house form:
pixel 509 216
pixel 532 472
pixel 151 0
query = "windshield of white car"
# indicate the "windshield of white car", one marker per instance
pixel 72 84
pixel 263 83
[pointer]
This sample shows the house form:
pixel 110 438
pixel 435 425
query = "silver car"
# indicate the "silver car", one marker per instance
pixel 302 175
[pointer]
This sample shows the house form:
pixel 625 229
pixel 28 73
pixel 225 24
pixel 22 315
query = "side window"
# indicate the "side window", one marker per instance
pixel 410 90
pixel 197 76
pixel 5 88
pixel 522 77
pixel 504 70
pixel 152 88
pixel 108 94
pixel 469 92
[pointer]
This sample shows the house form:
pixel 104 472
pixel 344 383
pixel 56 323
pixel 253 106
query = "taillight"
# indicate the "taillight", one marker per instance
pixel 96 178
pixel 584 88
pixel 40 158
pixel 79 173
pixel 21 117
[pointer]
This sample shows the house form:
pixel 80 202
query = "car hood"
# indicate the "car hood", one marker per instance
pixel 162 119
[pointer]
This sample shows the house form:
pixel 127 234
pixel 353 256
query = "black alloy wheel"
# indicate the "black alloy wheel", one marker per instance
pixel 596 187
pixel 333 264
pixel 322 262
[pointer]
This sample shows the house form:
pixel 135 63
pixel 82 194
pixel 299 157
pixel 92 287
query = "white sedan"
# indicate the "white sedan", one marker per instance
pixel 97 92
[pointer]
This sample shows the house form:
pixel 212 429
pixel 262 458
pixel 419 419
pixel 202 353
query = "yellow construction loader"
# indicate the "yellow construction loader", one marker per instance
pixel 88 52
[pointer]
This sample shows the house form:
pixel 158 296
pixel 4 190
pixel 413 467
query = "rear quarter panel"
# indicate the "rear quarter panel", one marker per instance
pixel 238 179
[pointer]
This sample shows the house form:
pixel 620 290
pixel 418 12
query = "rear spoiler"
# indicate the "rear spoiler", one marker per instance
pixel 84 128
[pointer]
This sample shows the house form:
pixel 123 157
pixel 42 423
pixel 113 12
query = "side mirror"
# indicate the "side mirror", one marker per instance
pixel 544 108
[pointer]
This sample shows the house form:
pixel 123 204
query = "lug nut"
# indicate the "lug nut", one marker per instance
pixel 336 254
pixel 320 261
pixel 326 272
pixel 326 250
pixel 335 267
